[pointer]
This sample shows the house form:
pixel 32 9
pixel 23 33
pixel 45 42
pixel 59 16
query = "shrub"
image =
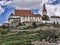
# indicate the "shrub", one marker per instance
pixel 34 24
pixel 3 31
pixel 20 24
pixel 45 17
pixel 24 24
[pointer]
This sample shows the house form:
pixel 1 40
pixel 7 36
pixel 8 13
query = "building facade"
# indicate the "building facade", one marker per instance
pixel 55 19
pixel 21 16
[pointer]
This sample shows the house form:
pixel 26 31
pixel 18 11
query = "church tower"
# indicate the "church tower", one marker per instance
pixel 44 11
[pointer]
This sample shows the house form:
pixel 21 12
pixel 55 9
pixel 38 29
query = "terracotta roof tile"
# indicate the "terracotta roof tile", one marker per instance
pixel 25 13
pixel 22 12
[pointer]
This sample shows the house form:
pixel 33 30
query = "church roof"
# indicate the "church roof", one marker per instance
pixel 55 16
pixel 25 13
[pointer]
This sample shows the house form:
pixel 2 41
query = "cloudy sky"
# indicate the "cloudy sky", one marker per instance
pixel 52 6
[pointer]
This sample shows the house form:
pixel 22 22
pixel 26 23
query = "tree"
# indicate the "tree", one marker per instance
pixel 34 24
pixel 20 24
pixel 45 17
pixel 24 24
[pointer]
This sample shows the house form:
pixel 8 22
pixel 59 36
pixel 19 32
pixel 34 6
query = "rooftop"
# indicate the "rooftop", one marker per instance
pixel 25 13
pixel 55 16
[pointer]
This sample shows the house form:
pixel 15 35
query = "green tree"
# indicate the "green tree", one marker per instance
pixel 19 24
pixel 34 24
pixel 45 17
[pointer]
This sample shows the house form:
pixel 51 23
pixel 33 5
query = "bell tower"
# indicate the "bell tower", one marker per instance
pixel 44 11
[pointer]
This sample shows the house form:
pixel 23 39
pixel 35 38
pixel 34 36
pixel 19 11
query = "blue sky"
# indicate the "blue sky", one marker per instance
pixel 8 6
pixel 55 2
pixel 6 11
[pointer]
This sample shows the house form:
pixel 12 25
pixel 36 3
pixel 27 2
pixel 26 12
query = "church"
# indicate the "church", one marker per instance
pixel 21 16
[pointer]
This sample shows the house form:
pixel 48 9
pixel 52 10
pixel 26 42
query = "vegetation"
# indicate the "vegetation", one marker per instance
pixel 26 37
pixel 3 31
pixel 55 25
pixel 24 24
pixel 20 24
pixel 34 24
pixel 49 35
pixel 45 17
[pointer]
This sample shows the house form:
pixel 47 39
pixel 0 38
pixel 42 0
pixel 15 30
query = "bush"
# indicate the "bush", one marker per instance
pixel 34 24
pixel 3 31
pixel 52 34
pixel 20 24
pixel 24 24
pixel 45 17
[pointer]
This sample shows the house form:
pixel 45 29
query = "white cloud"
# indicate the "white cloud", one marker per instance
pixel 1 10
pixel 51 1
pixel 28 4
pixel 50 9
pixel 7 3
pixel 57 12
pixel 53 10
pixel 3 3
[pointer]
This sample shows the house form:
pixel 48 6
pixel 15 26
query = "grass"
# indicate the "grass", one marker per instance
pixel 25 37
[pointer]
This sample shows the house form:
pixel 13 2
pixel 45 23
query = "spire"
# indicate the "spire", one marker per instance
pixel 44 8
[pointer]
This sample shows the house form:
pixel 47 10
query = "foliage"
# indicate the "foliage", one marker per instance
pixel 48 35
pixel 20 24
pixel 45 17
pixel 24 24
pixel 26 37
pixel 34 24
pixel 3 31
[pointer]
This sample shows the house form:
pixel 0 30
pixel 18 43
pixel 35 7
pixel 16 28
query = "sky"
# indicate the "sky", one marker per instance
pixel 52 6
pixel 38 4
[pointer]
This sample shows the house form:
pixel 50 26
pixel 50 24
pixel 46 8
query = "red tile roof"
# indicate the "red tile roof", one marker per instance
pixel 5 24
pixel 55 16
pixel 25 13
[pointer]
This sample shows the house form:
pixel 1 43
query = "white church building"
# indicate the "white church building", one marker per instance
pixel 55 19
pixel 21 16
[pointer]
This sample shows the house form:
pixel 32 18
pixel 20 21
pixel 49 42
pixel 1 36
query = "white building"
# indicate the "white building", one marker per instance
pixel 21 16
pixel 55 19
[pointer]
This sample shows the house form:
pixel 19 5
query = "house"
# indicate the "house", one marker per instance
pixel 27 15
pixel 55 19
pixel 5 24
